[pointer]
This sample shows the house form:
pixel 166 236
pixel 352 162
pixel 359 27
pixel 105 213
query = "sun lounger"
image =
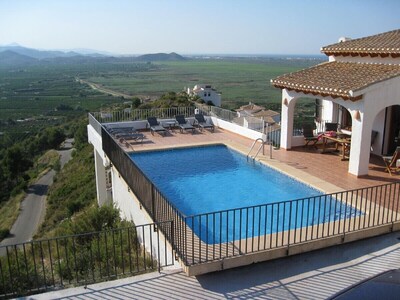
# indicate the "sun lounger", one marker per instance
pixel 391 161
pixel 202 123
pixel 131 136
pixel 117 130
pixel 155 126
pixel 183 124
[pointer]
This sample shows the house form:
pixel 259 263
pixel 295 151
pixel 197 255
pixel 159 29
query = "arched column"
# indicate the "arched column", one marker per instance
pixel 287 114
pixel 360 142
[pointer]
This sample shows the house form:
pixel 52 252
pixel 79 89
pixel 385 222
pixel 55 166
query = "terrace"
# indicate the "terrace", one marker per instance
pixel 167 239
pixel 375 195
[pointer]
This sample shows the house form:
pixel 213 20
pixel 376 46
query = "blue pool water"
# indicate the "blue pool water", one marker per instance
pixel 202 180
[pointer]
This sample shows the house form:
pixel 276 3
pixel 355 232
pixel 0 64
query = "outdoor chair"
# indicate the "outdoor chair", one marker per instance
pixel 202 123
pixel 183 124
pixel 155 126
pixel 331 127
pixel 390 161
pixel 309 138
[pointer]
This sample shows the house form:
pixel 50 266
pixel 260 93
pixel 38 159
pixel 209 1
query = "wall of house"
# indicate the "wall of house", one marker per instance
pixel 330 111
pixel 366 59
pixel 94 138
pixel 130 209
pixel 210 95
pixel 376 98
pixel 101 187
pixel 251 134
pixel 378 126
pixel 100 163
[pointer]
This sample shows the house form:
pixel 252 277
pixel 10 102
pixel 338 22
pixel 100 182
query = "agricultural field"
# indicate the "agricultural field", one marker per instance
pixel 38 97
pixel 43 95
pixel 239 80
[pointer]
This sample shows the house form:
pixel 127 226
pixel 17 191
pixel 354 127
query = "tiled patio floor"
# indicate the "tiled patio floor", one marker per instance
pixel 328 166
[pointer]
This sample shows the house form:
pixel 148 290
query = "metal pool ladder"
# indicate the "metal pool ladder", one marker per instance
pixel 258 151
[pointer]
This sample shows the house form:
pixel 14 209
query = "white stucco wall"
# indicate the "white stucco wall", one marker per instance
pixel 100 172
pixel 130 210
pixel 329 111
pixel 378 126
pixel 375 99
pixel 251 134
pixel 287 114
pixel 95 139
pixel 214 97
pixel 366 59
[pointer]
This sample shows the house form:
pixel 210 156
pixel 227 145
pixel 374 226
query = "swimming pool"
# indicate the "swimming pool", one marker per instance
pixel 202 180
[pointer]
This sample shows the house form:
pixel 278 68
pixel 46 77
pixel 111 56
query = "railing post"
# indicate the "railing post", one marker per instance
pixel 153 204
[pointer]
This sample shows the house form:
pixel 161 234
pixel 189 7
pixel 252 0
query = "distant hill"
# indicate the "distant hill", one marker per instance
pixel 16 55
pixel 11 58
pixel 160 57
pixel 38 54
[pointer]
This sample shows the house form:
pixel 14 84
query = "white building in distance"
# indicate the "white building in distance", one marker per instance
pixel 207 93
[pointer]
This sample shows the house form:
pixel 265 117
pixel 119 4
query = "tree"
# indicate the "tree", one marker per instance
pixel 136 102
pixel 51 138
pixel 15 161
pixel 80 136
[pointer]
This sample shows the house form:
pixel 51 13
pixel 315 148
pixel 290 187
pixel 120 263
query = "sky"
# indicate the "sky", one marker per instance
pixel 193 27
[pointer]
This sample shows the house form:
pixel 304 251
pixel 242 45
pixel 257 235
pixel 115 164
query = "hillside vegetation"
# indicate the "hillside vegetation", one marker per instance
pixel 41 104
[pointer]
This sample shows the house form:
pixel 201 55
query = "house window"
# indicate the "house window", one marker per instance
pixel 209 94
pixel 205 94
pixel 108 179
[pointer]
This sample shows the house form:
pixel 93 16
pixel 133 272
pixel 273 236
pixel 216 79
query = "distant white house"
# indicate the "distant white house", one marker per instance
pixel 207 93
pixel 257 117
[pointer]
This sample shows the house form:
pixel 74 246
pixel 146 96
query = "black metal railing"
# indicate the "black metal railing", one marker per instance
pixel 217 235
pixel 319 127
pixel 240 231
pixel 153 201
pixel 54 263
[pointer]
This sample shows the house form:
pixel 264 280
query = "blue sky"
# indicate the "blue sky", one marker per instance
pixel 193 27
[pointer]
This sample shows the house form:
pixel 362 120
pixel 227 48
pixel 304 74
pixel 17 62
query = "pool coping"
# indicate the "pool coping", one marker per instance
pixel 299 175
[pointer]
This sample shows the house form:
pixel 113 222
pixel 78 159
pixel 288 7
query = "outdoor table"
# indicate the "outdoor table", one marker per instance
pixel 341 141
pixel 169 124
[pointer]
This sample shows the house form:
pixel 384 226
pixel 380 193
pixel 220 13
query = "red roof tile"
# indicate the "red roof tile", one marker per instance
pixel 383 44
pixel 337 79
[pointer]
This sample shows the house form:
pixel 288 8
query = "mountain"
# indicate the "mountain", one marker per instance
pixel 16 55
pixel 38 54
pixel 11 58
pixel 160 57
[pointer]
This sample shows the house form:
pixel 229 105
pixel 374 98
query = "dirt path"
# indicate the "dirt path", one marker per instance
pixel 101 89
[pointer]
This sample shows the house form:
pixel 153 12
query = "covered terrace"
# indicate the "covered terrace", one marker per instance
pixel 362 76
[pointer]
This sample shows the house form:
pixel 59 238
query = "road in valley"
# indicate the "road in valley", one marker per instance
pixel 104 90
pixel 33 207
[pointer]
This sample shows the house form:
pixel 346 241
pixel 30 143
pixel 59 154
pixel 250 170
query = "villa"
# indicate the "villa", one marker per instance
pixel 359 88
pixel 219 194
